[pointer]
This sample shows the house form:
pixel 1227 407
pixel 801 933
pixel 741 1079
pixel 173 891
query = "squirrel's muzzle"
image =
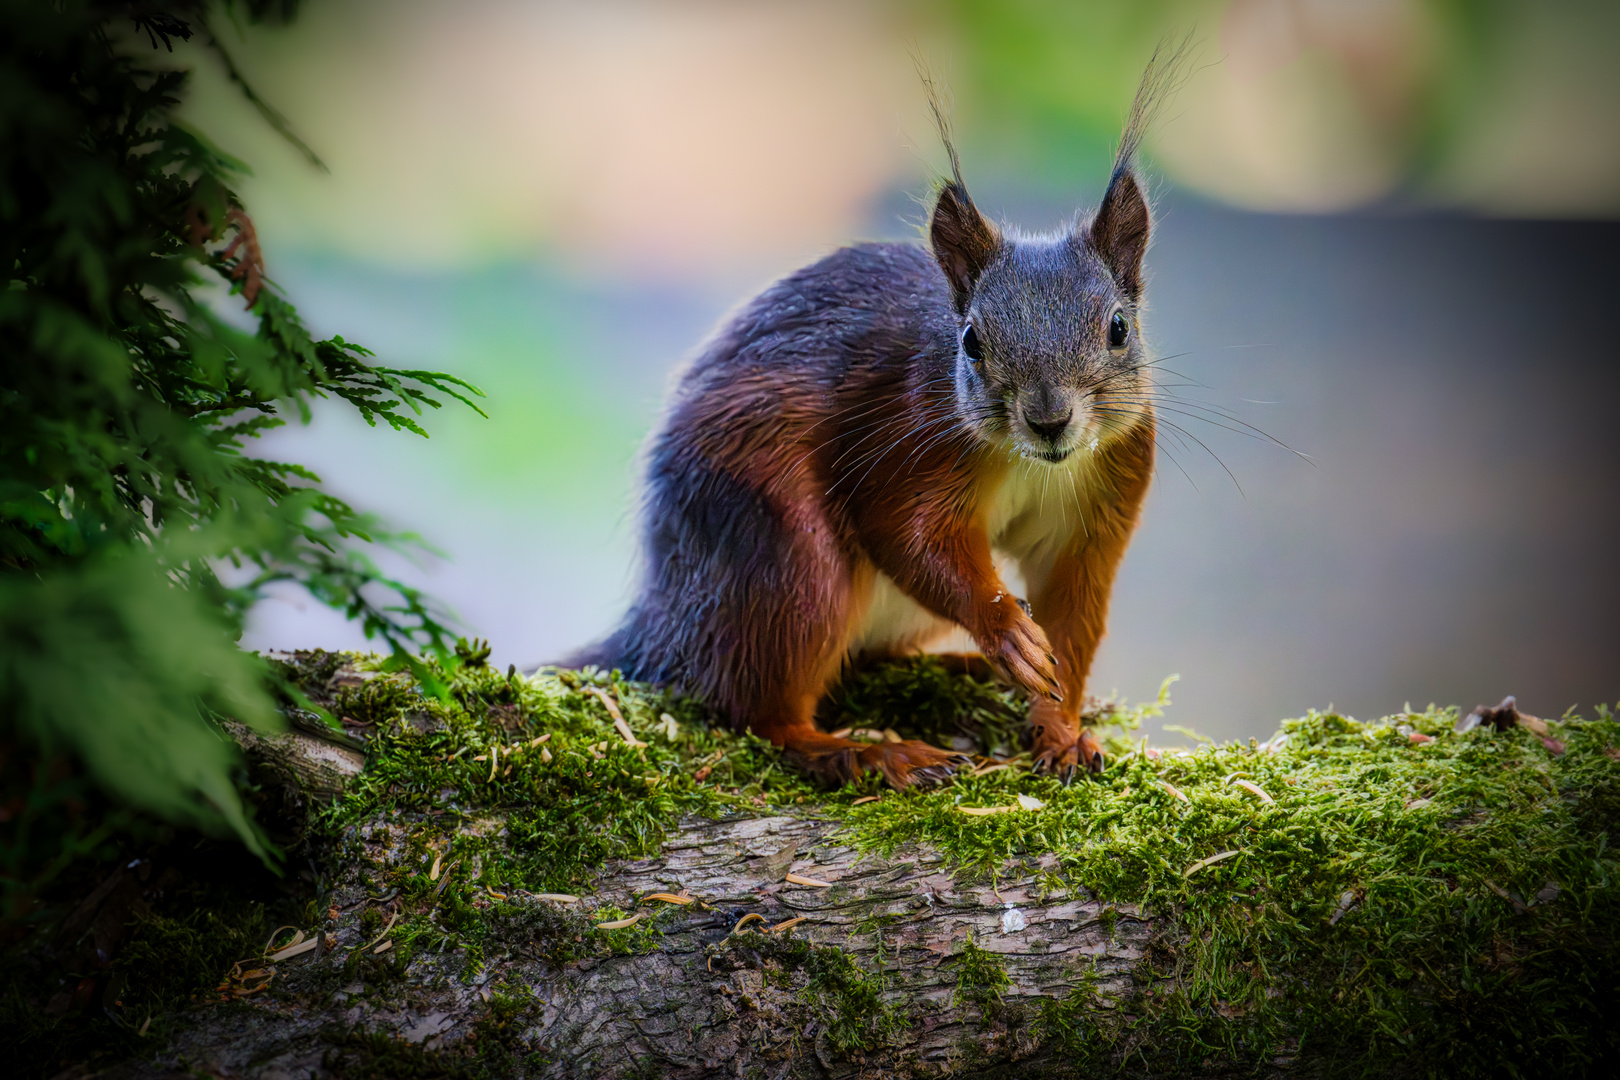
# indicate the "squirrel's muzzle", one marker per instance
pixel 1049 424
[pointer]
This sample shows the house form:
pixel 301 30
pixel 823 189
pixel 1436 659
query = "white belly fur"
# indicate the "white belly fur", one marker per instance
pixel 895 622
pixel 1030 518
pixel 1037 509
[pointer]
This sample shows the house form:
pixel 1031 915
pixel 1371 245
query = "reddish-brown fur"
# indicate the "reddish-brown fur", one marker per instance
pixel 838 466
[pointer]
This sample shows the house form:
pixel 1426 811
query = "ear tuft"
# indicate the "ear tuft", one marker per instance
pixel 1119 232
pixel 964 242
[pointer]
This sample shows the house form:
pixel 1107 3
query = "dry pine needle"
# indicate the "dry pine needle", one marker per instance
pixel 814 883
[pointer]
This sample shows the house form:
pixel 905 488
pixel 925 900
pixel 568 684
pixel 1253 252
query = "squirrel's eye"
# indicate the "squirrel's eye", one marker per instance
pixel 1118 328
pixel 971 346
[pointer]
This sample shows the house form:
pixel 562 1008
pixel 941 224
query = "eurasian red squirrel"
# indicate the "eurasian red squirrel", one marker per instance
pixel 839 464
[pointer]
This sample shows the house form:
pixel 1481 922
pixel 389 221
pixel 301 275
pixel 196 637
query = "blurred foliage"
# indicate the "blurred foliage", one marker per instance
pixel 135 527
pixel 1055 79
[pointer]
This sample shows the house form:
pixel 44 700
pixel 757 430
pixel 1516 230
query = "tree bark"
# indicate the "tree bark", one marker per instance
pixel 703 997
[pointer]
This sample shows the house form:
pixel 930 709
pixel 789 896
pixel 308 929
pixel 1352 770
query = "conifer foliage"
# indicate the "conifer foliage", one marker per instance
pixel 136 526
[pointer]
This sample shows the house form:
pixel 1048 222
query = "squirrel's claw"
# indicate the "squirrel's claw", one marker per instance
pixel 912 763
pixel 1090 752
pixel 1066 755
pixel 1023 657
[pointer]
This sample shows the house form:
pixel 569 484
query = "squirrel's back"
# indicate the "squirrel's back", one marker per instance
pixel 860 306
pixel 747 453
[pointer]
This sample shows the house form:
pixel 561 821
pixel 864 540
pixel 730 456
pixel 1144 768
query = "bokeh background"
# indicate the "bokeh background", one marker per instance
pixel 1386 239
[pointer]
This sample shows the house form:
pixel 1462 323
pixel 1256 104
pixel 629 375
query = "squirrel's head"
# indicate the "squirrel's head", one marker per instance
pixel 1049 354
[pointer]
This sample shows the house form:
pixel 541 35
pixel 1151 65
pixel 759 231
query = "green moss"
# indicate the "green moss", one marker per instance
pixel 356 1054
pixel 497 1037
pixel 1393 906
pixel 918 695
pixel 640 938
pixel 1428 964
pixel 378 700
pixel 850 1001
pixel 1068 1025
pixel 1413 841
pixel 845 997
pixel 981 980
pixel 562 807
pixel 511 784
pixel 168 959
pixel 212 905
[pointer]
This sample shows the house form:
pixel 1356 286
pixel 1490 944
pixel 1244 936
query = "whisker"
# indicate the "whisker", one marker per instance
pixel 867 408
pixel 933 439
pixel 856 486
pixel 1180 407
pixel 875 424
pixel 873 430
pixel 1166 451
pixel 1079 504
pixel 1181 433
pixel 1203 446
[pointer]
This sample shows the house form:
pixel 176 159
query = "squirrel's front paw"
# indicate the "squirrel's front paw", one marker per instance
pixel 1021 654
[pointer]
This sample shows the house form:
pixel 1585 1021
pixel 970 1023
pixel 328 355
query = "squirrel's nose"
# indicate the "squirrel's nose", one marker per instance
pixel 1048 426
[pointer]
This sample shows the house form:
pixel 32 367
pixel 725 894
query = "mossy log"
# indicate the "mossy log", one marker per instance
pixel 892 995
pixel 1167 919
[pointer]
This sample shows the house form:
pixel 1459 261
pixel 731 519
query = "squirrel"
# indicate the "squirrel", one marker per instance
pixel 841 461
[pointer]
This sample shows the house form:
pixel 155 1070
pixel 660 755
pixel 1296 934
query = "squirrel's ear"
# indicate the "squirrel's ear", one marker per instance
pixel 963 241
pixel 1119 232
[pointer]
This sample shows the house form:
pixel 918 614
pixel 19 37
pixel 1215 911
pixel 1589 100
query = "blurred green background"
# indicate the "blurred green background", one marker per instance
pixel 1383 238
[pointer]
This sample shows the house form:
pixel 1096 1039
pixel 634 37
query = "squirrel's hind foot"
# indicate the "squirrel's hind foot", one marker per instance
pixel 1065 753
pixel 904 764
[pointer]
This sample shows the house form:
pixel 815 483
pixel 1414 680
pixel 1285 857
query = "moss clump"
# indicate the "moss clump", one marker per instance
pixel 849 999
pixel 528 783
pixel 1445 903
pixel 981 980
pixel 497 1037
pixel 1071 1027
pixel 378 700
pixel 921 696
pixel 845 997
pixel 356 1054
